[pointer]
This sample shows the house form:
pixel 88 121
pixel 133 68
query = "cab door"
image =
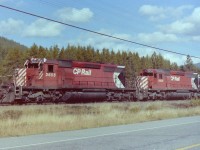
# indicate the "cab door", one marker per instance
pixel 162 81
pixel 50 80
pixel 159 81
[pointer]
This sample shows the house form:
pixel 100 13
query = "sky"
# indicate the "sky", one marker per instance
pixel 167 24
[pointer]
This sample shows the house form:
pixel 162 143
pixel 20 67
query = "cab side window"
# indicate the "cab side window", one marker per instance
pixel 50 69
pixel 155 75
pixel 160 76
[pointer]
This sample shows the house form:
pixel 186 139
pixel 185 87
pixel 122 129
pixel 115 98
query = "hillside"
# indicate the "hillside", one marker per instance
pixel 10 44
pixel 6 45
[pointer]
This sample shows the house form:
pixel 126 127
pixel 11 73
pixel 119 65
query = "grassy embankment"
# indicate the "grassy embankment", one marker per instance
pixel 33 119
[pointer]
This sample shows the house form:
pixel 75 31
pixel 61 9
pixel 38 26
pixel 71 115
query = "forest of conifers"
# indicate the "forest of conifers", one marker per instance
pixel 13 55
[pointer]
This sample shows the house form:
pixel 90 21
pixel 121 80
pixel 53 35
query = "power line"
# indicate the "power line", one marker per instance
pixel 95 32
pixel 113 13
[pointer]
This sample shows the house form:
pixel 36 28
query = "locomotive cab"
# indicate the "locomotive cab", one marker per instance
pixel 34 71
pixel 157 79
pixel 151 78
pixel 148 75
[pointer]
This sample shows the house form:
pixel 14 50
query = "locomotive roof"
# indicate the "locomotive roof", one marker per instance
pixel 35 60
pixel 167 71
pixel 72 63
pixel 80 64
pixel 156 70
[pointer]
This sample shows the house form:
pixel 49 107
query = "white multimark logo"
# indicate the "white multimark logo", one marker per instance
pixel 175 78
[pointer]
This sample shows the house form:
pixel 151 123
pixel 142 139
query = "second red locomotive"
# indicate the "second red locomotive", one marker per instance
pixel 167 84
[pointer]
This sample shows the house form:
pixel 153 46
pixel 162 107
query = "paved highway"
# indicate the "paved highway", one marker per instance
pixel 172 134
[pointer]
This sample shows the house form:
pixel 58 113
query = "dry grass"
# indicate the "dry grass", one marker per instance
pixel 33 119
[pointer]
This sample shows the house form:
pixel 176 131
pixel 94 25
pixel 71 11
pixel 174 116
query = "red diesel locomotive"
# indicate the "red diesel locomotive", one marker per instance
pixel 43 81
pixel 167 84
pixel 56 81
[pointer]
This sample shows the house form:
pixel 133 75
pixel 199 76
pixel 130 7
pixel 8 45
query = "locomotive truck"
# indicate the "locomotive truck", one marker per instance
pixel 43 80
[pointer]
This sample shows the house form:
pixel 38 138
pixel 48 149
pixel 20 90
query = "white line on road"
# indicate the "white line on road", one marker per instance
pixel 88 137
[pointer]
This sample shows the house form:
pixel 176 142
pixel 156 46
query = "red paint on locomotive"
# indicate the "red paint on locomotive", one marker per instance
pixel 159 79
pixel 56 74
pixel 44 80
pixel 167 84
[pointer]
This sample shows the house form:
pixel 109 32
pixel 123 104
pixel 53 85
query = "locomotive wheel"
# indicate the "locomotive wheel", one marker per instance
pixel 40 99
pixel 195 96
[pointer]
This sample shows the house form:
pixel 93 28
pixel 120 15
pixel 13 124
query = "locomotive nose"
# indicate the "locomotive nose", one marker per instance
pixel 142 82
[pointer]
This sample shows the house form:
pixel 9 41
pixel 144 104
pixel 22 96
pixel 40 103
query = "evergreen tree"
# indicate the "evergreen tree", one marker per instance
pixel 33 51
pixel 182 68
pixel 89 54
pixel 143 63
pixel 130 70
pixel 174 66
pixel 154 60
pixel 42 52
pixel 148 61
pixel 105 57
pixel 113 57
pixel 137 62
pixel 160 61
pixel 55 52
pixel 14 59
pixel 189 64
pixel 97 56
pixel 70 52
pixel 119 58
pixel 61 54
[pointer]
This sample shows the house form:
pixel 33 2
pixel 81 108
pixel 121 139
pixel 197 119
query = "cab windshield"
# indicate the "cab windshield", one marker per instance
pixel 147 74
pixel 32 65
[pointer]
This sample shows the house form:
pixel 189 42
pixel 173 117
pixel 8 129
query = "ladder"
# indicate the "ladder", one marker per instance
pixel 18 92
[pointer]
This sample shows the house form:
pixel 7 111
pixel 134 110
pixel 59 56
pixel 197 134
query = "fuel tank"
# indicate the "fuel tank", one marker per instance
pixel 83 97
